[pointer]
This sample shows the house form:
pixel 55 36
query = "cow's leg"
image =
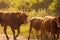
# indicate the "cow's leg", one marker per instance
pixel 43 32
pixel 54 37
pixel 5 28
pixel 51 37
pixel 37 31
pixel 18 32
pixel 13 33
pixel 57 35
pixel 29 33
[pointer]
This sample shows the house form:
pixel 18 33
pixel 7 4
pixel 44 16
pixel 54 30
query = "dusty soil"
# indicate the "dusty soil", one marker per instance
pixel 3 37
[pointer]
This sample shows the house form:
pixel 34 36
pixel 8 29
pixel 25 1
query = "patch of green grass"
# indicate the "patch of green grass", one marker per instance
pixel 9 31
pixel 1 28
pixel 24 30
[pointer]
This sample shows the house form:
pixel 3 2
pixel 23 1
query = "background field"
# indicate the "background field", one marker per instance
pixel 33 8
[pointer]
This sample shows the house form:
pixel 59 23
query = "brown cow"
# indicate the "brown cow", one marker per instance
pixel 14 20
pixel 51 25
pixel 36 23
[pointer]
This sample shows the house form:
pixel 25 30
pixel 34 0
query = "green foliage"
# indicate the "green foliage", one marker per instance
pixel 4 5
pixel 57 7
pixel 30 5
pixel 52 6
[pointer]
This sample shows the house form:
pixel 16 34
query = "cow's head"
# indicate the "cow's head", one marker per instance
pixel 24 18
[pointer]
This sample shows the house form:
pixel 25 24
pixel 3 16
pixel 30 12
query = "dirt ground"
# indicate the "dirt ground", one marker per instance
pixel 3 37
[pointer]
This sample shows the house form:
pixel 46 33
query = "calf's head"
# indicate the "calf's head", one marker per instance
pixel 23 18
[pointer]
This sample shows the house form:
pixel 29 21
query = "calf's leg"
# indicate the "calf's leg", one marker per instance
pixel 5 28
pixel 13 33
pixel 29 33
pixel 18 32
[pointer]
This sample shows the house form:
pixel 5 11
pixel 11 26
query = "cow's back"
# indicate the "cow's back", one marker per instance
pixel 36 23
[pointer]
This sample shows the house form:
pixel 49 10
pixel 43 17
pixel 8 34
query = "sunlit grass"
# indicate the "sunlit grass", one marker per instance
pixel 24 30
